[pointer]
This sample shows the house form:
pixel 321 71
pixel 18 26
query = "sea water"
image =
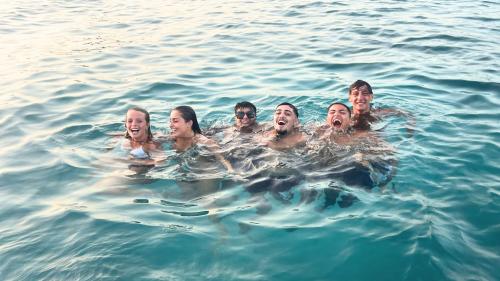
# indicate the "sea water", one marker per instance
pixel 72 209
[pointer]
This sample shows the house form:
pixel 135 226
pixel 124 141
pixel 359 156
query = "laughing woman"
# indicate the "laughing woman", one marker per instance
pixel 198 176
pixel 142 152
pixel 139 137
pixel 186 133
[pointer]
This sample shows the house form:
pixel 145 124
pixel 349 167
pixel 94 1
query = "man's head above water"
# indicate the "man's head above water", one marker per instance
pixel 339 116
pixel 361 96
pixel 245 115
pixel 286 118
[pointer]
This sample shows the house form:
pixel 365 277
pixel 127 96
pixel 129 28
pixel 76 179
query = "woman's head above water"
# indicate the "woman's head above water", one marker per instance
pixel 183 122
pixel 137 125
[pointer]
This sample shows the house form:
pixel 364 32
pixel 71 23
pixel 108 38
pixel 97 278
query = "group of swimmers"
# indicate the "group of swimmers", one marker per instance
pixel 343 125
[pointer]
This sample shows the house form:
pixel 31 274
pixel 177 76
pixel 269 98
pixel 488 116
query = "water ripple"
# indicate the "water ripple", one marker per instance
pixel 74 207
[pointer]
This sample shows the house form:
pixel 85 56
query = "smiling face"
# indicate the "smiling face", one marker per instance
pixel 339 117
pixel 285 120
pixel 137 126
pixel 179 128
pixel 360 98
pixel 242 117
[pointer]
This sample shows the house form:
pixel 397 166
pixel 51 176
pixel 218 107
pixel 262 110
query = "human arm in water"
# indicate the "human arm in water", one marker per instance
pixel 410 119
pixel 215 148
pixel 376 154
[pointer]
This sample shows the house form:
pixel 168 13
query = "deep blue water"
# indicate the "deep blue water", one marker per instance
pixel 70 70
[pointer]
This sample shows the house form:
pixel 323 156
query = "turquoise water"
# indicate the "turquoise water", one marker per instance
pixel 70 211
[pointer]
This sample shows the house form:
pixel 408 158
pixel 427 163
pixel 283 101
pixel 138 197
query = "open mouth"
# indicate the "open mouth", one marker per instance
pixel 337 123
pixel 134 131
pixel 281 122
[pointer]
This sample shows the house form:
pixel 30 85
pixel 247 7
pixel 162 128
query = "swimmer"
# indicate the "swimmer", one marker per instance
pixel 245 115
pixel 355 157
pixel 245 126
pixel 285 133
pixel 138 133
pixel 185 132
pixel 240 141
pixel 361 96
pixel 338 123
pixel 274 174
pixel 339 117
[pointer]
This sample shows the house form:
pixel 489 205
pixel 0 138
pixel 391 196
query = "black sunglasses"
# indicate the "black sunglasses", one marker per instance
pixel 241 114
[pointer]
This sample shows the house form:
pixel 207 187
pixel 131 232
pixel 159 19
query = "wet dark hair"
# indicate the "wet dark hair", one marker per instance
pixel 348 109
pixel 358 84
pixel 245 104
pixel 188 114
pixel 150 135
pixel 290 105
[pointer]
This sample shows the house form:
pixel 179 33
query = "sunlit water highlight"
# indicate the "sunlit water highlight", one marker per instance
pixel 71 69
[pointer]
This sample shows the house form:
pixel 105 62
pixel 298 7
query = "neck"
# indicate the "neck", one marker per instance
pixel 139 140
pixel 360 112
pixel 184 142
pixel 245 129
pixel 278 135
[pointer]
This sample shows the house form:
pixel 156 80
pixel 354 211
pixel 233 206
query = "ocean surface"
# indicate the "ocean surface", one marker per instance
pixel 73 208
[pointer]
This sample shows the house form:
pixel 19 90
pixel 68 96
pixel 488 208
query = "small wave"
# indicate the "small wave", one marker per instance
pixel 187 214
pixel 444 37
pixel 459 83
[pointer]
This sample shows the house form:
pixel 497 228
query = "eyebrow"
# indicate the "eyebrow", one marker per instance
pixel 285 110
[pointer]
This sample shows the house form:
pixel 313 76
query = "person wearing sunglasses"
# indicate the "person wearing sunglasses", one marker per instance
pixel 245 115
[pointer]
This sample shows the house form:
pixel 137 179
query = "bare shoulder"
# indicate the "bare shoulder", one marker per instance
pixel 301 137
pixel 260 128
pixel 320 131
pixel 201 139
pixel 364 134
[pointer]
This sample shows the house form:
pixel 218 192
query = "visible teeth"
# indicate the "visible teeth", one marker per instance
pixel 337 122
